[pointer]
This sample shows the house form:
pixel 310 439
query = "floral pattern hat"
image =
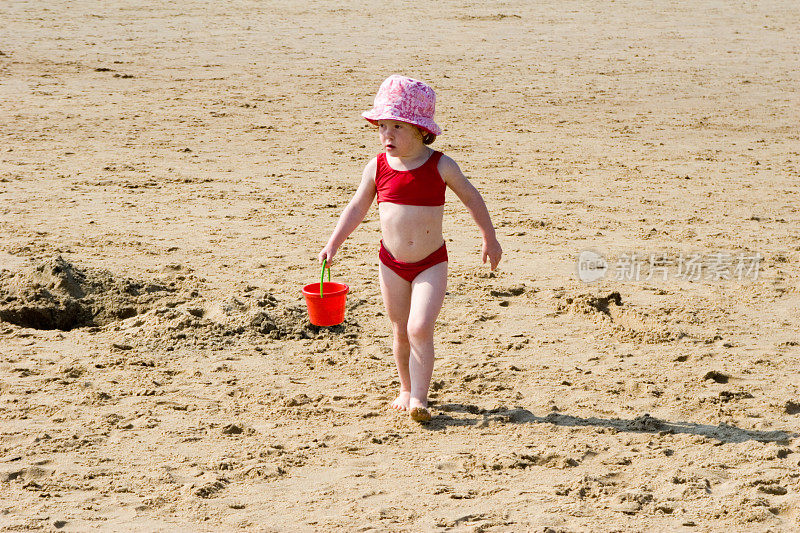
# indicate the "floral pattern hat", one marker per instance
pixel 407 100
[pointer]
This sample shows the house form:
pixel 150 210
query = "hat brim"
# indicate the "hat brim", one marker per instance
pixel 427 125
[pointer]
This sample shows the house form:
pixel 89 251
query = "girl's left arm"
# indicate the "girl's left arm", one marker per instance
pixel 472 199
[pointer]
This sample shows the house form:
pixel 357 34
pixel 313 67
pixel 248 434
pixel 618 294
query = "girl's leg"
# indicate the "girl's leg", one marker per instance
pixel 397 299
pixel 427 296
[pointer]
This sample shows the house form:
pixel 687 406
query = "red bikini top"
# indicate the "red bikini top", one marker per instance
pixel 420 186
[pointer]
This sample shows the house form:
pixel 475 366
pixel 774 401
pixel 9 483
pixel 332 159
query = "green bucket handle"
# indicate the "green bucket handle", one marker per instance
pixel 322 277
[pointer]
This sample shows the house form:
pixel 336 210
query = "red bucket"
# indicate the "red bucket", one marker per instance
pixel 326 301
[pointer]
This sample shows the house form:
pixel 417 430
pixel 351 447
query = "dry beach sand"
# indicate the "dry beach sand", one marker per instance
pixel 168 173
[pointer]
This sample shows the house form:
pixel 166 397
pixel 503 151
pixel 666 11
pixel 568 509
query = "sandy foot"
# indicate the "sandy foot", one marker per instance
pixel 420 414
pixel 419 410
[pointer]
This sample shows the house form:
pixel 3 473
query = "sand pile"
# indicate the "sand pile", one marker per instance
pixel 56 294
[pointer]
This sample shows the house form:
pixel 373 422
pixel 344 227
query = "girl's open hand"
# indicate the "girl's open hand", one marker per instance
pixel 491 249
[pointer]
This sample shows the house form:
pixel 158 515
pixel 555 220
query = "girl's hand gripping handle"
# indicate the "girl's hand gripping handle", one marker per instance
pixel 322 277
pixel 326 255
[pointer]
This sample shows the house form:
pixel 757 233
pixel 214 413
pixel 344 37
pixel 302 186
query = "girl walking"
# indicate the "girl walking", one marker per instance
pixel 409 179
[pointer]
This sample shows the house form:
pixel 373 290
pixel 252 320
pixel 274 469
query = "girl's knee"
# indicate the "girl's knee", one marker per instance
pixel 418 330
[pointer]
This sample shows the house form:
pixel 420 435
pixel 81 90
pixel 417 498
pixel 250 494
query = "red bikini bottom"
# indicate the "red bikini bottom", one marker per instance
pixel 409 271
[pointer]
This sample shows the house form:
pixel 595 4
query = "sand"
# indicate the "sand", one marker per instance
pixel 168 174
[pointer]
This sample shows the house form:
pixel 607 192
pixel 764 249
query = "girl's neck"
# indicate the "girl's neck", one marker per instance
pixel 415 158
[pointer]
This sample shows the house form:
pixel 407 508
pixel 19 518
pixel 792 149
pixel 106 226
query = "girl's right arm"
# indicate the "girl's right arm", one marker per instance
pixel 353 214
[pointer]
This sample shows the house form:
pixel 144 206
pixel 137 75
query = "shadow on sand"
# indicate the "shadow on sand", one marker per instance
pixel 641 424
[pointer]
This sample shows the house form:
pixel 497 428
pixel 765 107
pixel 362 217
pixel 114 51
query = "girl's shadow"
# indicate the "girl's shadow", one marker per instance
pixel 641 424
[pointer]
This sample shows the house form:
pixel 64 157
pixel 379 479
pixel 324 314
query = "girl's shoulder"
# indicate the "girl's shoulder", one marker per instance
pixel 447 165
pixel 444 157
pixel 371 168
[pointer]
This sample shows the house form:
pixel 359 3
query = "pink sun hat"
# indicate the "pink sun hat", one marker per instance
pixel 407 100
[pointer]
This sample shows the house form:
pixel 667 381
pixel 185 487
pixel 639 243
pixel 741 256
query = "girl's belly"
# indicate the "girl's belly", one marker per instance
pixel 411 232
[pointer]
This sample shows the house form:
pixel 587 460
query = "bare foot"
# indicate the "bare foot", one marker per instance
pixel 419 410
pixel 401 402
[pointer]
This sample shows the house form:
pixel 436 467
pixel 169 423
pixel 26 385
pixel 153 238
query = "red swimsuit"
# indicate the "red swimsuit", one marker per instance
pixel 420 186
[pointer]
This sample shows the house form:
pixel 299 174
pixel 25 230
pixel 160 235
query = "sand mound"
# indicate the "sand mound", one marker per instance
pixel 55 294
pixel 621 319
pixel 187 320
pixel 292 322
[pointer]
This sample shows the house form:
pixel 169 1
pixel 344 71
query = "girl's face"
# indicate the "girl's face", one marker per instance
pixel 400 139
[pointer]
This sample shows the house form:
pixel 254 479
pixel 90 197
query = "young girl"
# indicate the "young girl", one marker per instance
pixel 409 180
